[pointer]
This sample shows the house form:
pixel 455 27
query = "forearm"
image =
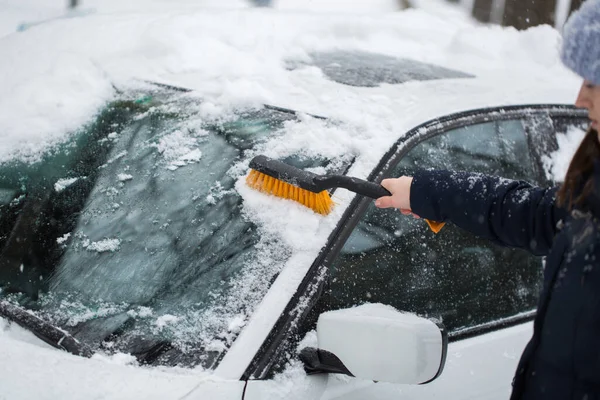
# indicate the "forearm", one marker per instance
pixel 511 213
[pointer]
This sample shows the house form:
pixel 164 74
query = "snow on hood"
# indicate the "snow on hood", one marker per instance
pixel 31 369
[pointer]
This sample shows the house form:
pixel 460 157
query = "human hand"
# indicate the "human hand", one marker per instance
pixel 400 198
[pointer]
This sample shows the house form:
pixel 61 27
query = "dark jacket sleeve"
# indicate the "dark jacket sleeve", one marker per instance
pixel 510 213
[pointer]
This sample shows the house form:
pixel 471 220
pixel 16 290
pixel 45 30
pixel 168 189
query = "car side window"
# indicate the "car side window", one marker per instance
pixel 568 132
pixel 453 276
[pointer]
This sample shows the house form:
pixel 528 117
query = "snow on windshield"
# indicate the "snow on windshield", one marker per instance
pixel 159 247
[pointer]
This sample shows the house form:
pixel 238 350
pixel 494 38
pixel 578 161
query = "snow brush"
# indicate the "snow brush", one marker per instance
pixel 309 189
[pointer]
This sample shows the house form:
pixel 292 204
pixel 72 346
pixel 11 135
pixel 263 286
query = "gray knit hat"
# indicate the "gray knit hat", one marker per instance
pixel 581 41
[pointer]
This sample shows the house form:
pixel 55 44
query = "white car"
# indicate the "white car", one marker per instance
pixel 134 243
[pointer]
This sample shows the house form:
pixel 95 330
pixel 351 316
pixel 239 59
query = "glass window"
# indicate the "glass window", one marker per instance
pixel 563 125
pixel 131 237
pixel 452 276
pixel 366 69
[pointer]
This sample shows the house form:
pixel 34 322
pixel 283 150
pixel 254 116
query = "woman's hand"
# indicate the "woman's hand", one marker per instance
pixel 400 198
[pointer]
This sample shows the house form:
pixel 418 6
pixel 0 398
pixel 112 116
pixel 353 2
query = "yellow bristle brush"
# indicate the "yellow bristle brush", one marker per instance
pixel 309 189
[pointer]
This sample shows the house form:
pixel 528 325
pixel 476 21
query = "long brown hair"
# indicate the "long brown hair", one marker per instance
pixel 579 181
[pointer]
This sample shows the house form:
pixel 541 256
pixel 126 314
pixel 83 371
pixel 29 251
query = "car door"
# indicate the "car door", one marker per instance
pixel 485 295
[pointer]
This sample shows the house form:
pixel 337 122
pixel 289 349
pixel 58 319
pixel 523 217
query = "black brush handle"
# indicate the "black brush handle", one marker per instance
pixel 313 182
pixel 360 186
pixel 285 172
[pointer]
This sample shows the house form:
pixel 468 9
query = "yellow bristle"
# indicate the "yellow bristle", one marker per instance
pixel 270 184
pixel 319 202
pixel 251 178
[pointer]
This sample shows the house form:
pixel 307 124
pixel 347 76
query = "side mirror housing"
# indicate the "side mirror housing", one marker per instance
pixel 377 342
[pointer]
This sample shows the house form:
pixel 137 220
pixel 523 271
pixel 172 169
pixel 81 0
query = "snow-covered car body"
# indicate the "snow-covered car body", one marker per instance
pixel 167 259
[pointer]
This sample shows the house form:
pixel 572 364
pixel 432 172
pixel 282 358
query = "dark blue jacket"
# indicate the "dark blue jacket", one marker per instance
pixel 562 359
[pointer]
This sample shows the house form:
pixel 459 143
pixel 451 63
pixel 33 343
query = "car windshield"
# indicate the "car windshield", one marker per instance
pixel 131 236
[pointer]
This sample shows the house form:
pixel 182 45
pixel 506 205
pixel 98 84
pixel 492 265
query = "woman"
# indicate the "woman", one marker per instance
pixel 562 359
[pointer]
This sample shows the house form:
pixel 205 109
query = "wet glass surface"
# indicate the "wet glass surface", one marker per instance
pixel 453 276
pixel 131 237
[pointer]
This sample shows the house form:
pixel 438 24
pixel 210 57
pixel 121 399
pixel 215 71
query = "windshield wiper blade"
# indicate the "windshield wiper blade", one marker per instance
pixel 50 334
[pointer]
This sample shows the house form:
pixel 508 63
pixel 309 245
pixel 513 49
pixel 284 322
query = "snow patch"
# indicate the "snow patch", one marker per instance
pixel 178 149
pixel 102 245
pixel 12 331
pixel 62 184
pixel 141 311
pixel 116 358
pixel 165 320
pixel 63 238
pixel 116 157
pixel 374 310
pixel 68 310
pixel 236 324
pixel 309 340
pixel 188 158
pixel 124 177
pixel 217 192
pixel 557 164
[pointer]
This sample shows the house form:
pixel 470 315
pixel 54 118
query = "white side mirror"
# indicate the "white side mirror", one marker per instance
pixel 377 342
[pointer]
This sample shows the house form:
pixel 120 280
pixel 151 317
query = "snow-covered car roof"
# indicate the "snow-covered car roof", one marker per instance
pixel 241 57
pixel 61 74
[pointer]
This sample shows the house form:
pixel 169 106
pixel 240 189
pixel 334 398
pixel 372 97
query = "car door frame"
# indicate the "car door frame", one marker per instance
pixel 541 140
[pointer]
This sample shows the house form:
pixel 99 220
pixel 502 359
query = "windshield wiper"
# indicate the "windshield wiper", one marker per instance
pixel 50 334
